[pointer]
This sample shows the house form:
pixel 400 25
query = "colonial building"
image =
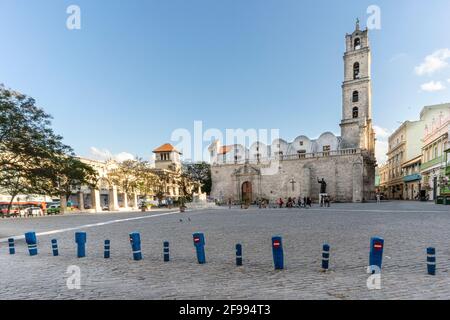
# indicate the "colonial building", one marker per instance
pixel 434 142
pixel 416 155
pixel 383 171
pixel 292 169
pixel 404 145
pixel 106 195
pixel 412 178
pixel 168 166
pixel 445 190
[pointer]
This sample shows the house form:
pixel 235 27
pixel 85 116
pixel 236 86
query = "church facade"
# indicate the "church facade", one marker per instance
pixel 293 169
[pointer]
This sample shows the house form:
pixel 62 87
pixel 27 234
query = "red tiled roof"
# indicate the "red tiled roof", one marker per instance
pixel 167 147
pixel 224 150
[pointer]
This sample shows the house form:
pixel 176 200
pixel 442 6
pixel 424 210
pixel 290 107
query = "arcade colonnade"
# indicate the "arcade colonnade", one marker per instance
pixel 105 194
pixel 95 199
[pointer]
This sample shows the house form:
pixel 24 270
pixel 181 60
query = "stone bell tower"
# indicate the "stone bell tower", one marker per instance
pixel 356 124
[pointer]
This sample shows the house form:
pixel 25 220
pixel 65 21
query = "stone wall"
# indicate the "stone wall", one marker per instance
pixel 350 178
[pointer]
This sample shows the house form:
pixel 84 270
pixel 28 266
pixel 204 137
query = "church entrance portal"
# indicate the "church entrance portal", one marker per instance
pixel 247 192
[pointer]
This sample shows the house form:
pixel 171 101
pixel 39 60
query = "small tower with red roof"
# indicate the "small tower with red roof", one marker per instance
pixel 167 157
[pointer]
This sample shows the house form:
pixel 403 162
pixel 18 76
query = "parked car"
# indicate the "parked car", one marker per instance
pixel 54 209
pixel 13 213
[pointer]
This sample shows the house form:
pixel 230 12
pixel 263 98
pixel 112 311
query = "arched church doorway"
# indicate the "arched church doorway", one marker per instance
pixel 247 196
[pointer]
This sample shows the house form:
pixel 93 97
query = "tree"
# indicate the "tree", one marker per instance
pixel 139 176
pixel 200 172
pixel 25 132
pixel 15 181
pixel 126 175
pixel 33 159
pixel 159 182
pixel 67 174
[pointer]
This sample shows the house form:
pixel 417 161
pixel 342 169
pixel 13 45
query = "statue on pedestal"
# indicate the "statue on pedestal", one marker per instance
pixel 323 191
pixel 323 185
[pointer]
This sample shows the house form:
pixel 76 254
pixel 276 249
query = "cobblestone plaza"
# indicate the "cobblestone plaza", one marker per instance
pixel 407 227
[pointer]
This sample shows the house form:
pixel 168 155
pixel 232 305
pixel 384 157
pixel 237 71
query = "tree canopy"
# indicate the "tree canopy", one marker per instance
pixel 33 159
pixel 200 172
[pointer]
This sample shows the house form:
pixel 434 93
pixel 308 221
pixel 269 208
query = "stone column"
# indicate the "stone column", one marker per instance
pixel 135 201
pixel 81 201
pixel 125 200
pixel 113 199
pixel 95 200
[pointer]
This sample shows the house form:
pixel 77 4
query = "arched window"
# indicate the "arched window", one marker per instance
pixel 355 112
pixel 357 44
pixel 356 70
pixel 355 97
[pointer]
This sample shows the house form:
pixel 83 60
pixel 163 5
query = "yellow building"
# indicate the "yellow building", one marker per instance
pixel 168 166
pixel 416 155
pixel 404 145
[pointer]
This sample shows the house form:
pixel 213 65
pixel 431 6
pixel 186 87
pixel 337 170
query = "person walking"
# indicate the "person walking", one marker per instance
pixel 263 204
pixel 327 201
pixel 309 202
pixel 280 203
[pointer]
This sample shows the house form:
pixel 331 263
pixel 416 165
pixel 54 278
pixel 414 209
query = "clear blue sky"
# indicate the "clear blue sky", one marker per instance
pixel 137 70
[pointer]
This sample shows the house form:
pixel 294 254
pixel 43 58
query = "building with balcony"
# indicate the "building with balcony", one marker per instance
pixel 416 155
pixel 404 146
pixel 412 178
pixel 445 189
pixel 383 172
pixel 434 145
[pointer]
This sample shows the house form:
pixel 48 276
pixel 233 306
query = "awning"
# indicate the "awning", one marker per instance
pixel 412 177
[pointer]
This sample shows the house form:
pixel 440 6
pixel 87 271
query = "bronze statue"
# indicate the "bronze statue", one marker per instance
pixel 323 185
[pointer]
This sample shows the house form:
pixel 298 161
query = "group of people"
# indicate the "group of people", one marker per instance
pixel 295 203
pixel 290 202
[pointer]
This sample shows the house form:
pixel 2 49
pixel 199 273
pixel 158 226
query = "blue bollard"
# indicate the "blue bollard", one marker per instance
pixel 31 240
pixel 135 240
pixel 431 261
pixel 166 251
pixel 12 250
pixel 277 250
pixel 106 253
pixel 239 254
pixel 325 257
pixel 199 243
pixel 80 239
pixel 55 247
pixel 376 254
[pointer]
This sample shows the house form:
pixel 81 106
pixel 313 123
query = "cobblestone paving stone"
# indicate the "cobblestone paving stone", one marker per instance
pixel 407 227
